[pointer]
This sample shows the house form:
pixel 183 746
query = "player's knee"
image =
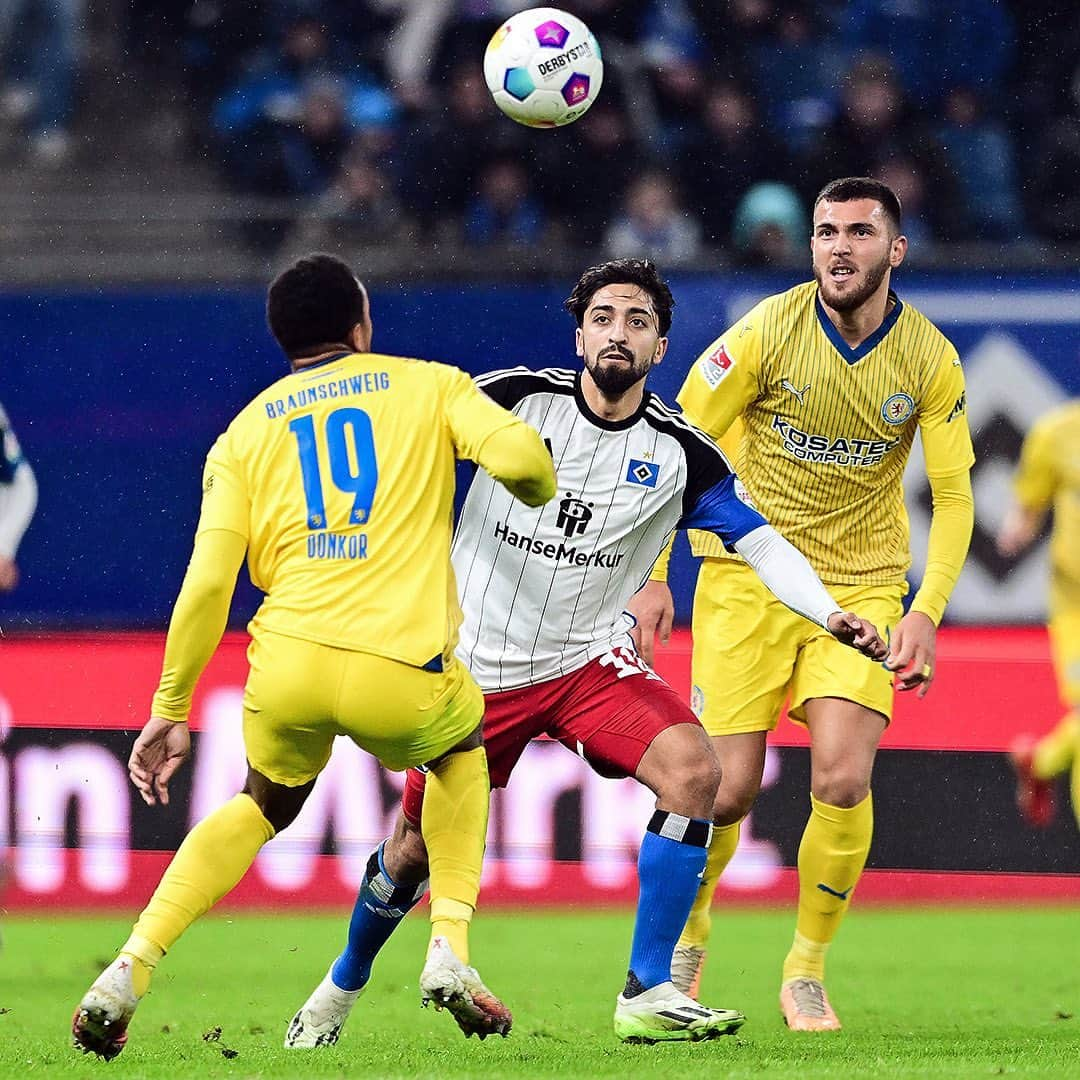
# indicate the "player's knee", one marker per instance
pixel 279 804
pixel 840 787
pixel 732 804
pixel 689 786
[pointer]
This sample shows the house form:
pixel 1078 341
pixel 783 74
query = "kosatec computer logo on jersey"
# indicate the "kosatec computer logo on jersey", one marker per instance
pixel 714 366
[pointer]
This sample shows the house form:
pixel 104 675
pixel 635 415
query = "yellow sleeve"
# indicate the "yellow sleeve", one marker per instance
pixel 724 378
pixel 949 456
pixel 517 457
pixel 943 421
pixel 497 440
pixel 198 618
pixel 660 567
pixel 1036 479
pixel 226 503
pixel 951 523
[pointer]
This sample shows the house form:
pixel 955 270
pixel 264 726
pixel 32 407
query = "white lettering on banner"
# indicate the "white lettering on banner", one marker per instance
pixel 46 781
pixel 544 773
pixel 614 814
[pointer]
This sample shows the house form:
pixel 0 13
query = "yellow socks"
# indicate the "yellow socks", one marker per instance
pixel 1057 751
pixel 725 839
pixel 214 856
pixel 832 854
pixel 454 826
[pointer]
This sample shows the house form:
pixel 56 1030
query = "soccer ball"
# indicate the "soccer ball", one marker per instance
pixel 543 67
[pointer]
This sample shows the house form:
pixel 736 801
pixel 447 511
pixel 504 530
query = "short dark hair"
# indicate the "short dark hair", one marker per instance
pixel 862 187
pixel 313 303
pixel 640 272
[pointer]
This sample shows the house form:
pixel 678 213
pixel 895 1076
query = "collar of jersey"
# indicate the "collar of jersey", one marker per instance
pixel 853 355
pixel 599 421
pixel 326 360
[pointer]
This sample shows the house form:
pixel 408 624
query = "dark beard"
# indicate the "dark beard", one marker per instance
pixel 613 381
pixel 874 276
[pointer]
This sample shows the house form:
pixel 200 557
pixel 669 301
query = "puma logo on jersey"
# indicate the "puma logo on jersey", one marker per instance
pixel 800 394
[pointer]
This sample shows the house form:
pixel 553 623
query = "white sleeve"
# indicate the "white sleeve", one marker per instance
pixel 786 574
pixel 17 502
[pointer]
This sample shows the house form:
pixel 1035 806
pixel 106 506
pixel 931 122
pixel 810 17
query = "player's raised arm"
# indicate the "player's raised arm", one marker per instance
pixel 499 442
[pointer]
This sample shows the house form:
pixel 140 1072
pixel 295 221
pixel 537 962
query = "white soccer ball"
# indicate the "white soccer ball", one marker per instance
pixel 543 67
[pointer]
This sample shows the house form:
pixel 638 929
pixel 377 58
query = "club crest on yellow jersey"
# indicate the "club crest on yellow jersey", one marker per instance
pixel 898 409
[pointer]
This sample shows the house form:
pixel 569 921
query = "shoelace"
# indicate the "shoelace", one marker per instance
pixel 809 997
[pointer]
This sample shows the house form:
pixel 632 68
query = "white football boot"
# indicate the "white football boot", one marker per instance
pixel 322 1016
pixel 664 1014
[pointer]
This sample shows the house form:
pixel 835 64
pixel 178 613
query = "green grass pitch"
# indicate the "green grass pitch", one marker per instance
pixel 923 993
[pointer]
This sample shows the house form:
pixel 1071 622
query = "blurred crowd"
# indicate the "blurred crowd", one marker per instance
pixel 717 123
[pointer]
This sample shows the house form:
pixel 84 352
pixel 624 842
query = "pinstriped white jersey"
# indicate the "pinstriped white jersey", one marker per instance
pixel 543 589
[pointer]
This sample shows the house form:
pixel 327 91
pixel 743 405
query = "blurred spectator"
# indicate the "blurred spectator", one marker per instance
pixel 770 227
pixel 598 155
pixel 361 201
pixel 905 177
pixel 38 58
pixel 276 89
pixel 652 224
pixel 1055 193
pixel 934 46
pixel 981 156
pixel 729 153
pixel 442 151
pixel 289 155
pixel 873 128
pixel 504 210
pixel 794 72
pixel 672 50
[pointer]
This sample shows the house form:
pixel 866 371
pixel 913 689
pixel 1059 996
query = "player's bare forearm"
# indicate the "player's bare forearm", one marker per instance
pixel 654 609
pixel 912 652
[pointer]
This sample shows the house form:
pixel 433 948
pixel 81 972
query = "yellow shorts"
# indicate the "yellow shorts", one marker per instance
pixel 300 695
pixel 1065 643
pixel 751 652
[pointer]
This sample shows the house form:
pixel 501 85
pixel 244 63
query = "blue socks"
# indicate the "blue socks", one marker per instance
pixel 670 865
pixel 380 906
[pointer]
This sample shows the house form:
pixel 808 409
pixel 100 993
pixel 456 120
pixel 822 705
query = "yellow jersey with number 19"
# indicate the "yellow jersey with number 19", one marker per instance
pixel 340 476
pixel 828 428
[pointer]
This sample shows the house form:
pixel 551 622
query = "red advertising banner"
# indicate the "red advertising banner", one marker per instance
pixel 77 837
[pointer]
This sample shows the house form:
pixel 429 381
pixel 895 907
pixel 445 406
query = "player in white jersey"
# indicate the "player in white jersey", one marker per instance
pixel 546 635
pixel 18 498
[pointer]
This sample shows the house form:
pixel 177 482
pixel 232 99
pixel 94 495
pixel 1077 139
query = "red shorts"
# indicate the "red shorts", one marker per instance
pixel 608 711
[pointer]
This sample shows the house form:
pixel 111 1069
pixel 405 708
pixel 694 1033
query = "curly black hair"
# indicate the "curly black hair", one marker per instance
pixel 640 272
pixel 313 305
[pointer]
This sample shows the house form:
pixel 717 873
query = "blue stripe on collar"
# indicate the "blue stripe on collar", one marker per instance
pixel 853 355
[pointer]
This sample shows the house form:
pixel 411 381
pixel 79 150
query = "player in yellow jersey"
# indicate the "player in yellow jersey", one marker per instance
pixel 337 482
pixel 826 385
pixel 1048 478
